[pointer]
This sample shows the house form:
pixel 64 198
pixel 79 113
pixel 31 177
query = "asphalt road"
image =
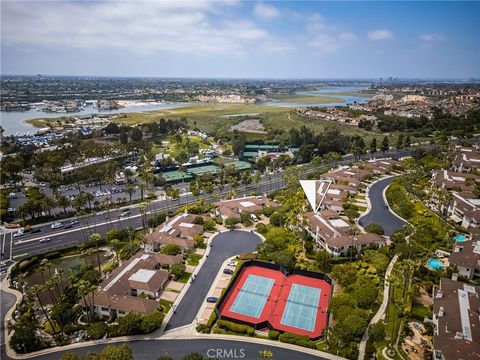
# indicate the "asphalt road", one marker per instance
pixel 16 248
pixel 224 245
pixel 6 302
pixel 379 213
pixel 216 349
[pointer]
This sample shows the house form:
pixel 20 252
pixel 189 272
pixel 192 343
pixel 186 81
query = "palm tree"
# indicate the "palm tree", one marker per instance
pixel 142 189
pixel 96 237
pixel 79 202
pixel 115 245
pixel 130 190
pixel 48 204
pixel 89 197
pixel 36 289
pixel 64 202
pixel 84 288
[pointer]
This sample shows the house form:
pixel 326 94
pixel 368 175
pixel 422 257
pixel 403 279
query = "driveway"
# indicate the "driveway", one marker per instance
pixel 224 245
pixel 378 213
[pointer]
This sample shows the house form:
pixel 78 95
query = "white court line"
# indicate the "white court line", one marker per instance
pixel 4 239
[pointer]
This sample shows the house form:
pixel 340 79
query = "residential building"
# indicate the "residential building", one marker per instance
pixel 456 316
pixel 234 207
pixel 466 160
pixel 120 293
pixel 179 230
pixel 464 209
pixel 333 233
pixel 466 258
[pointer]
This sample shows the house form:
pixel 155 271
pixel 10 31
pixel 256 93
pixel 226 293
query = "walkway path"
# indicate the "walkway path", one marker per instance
pixel 381 310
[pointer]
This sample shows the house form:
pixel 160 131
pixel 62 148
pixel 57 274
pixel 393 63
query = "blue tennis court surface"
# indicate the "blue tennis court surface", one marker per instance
pixel 302 306
pixel 253 295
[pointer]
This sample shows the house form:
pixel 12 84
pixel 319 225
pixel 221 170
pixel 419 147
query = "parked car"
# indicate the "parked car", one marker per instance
pixel 212 299
pixel 45 239
pixel 228 271
pixel 231 263
pixel 254 217
pixel 56 225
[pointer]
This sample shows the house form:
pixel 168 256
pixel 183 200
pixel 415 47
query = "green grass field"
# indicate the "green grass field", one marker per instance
pixel 305 99
pixel 174 148
pixel 210 119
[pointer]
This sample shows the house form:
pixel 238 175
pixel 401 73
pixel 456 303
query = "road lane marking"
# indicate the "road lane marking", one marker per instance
pixel 11 244
pixel 77 229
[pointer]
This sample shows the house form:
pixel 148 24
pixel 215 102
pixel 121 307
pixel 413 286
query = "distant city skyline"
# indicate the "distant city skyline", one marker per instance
pixel 236 39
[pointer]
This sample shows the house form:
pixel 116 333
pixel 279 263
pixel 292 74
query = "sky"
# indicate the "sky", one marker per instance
pixel 242 39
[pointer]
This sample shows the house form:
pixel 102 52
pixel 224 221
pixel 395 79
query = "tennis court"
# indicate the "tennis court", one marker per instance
pixel 253 295
pixel 302 306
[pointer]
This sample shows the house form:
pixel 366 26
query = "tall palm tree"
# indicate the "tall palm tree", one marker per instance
pixel 89 197
pixel 48 204
pixel 63 202
pixel 79 202
pixel 36 289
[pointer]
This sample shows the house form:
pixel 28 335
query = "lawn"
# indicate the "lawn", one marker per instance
pixel 165 305
pixel 184 278
pixel 194 259
pixel 173 148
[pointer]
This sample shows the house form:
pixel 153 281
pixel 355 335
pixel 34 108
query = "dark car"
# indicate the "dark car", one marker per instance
pixel 212 299
pixel 67 226
pixel 228 271
pixel 35 230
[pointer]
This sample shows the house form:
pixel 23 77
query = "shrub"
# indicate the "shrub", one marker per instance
pixel 199 240
pixel 261 228
pixel 375 229
pixel 297 339
pixel 237 328
pixel 157 220
pixel 171 249
pixel 273 334
pixel 209 225
pixel 97 330
pixel 151 322
pixel 130 324
pixel 177 270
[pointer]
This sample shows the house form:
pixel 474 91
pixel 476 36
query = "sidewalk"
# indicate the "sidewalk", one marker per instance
pixel 381 310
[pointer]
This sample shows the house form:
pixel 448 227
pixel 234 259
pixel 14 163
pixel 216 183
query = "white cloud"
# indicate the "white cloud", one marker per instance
pixel 380 34
pixel 324 37
pixel 431 37
pixel 196 27
pixel 265 11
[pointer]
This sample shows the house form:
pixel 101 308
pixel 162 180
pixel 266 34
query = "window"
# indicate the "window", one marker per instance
pixel 121 312
pixel 104 308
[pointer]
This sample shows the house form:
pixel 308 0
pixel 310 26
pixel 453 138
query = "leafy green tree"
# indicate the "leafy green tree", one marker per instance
pixel 375 229
pixel 151 322
pixel 400 141
pixel 245 219
pixel 231 222
pixel 407 142
pixel 365 293
pixel 385 145
pixel 25 339
pixel 130 324
pixel 373 146
pixel 171 249
pixel 136 134
pixel 324 260
pixel 118 352
pixel 377 331
pixel 277 219
pixel 97 330
pixel 284 258
pixel 177 270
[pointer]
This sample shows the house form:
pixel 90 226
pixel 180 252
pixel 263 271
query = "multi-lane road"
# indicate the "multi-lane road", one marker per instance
pixel 16 248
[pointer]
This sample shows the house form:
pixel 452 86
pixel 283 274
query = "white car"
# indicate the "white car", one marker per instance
pixel 44 240
pixel 56 225
pixel 20 232
pixel 231 263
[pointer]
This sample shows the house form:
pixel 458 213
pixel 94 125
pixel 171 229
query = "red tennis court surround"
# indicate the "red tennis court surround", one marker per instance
pixel 307 318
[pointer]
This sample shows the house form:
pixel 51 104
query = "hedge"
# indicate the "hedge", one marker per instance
pixel 273 334
pixel 297 340
pixel 237 328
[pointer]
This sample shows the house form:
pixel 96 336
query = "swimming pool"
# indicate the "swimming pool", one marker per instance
pixel 459 238
pixel 435 264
